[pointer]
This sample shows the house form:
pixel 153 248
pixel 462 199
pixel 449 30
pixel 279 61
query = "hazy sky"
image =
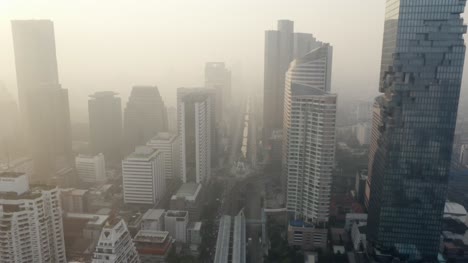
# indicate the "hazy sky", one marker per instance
pixel 112 44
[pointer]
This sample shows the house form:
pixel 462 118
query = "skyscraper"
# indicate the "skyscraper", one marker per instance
pixel 31 221
pixel 91 168
pixel 169 145
pixel 414 122
pixel 281 47
pixel 9 134
pixel 309 139
pixel 43 103
pixel 105 125
pixel 218 77
pixel 144 116
pixel 195 117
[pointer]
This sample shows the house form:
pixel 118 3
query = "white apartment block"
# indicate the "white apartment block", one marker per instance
pixel 194 109
pixel 115 245
pixel 31 228
pixel 91 168
pixel 168 144
pixel 309 135
pixel 144 179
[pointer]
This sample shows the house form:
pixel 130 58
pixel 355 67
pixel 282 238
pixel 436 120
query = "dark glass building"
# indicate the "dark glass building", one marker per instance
pixel 414 123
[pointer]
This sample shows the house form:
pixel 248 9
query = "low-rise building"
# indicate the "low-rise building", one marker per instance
pixel 307 236
pixel 194 237
pixel 187 198
pixel 175 222
pixel 153 220
pixel 153 246
pixel 74 200
pixel 91 168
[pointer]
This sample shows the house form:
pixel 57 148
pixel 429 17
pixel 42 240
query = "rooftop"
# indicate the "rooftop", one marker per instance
pixel 176 213
pixel 454 209
pixel 195 226
pixel 142 152
pixel 188 191
pixel 10 175
pixel 163 136
pixel 153 214
pixel 151 236
pixel 98 220
pixel 103 94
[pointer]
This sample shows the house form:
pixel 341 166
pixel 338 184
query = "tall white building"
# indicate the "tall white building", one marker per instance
pixel 91 168
pixel 168 144
pixel 31 228
pixel 194 108
pixel 144 179
pixel 309 135
pixel 115 245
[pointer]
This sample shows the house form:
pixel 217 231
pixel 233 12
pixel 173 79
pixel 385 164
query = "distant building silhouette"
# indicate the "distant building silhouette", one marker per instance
pixel 105 125
pixel 413 128
pixel 43 103
pixel 144 116
pixel 218 77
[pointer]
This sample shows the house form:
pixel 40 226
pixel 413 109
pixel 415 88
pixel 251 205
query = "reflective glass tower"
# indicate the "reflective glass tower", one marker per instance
pixel 414 122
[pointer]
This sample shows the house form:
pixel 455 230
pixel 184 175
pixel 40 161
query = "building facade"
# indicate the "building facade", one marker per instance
pixel 31 222
pixel 145 115
pixel 169 145
pixel 144 178
pixel 281 47
pixel 115 245
pixel 218 77
pixel 43 103
pixel 105 125
pixel 176 222
pixel 91 169
pixel 195 119
pixel 422 63
pixel 309 136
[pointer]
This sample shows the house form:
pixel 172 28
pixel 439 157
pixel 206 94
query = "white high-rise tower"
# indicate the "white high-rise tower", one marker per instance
pixel 309 135
pixel 31 228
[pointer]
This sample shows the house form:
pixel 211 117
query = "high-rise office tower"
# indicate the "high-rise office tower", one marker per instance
pixel 281 47
pixel 105 125
pixel 91 168
pixel 31 228
pixel 422 63
pixel 218 77
pixel 172 120
pixel 43 103
pixel 9 134
pixel 115 245
pixel 144 116
pixel 144 176
pixel 195 117
pixel 309 138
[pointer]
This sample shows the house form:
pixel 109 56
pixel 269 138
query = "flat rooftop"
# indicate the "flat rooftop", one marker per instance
pixel 153 214
pixel 189 191
pixel 10 175
pixel 150 236
pixel 94 219
pixel 176 213
pixel 142 152
pixel 163 136
pixel 195 226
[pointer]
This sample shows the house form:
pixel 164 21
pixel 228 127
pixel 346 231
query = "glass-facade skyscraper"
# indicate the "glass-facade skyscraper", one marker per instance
pixel 414 123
